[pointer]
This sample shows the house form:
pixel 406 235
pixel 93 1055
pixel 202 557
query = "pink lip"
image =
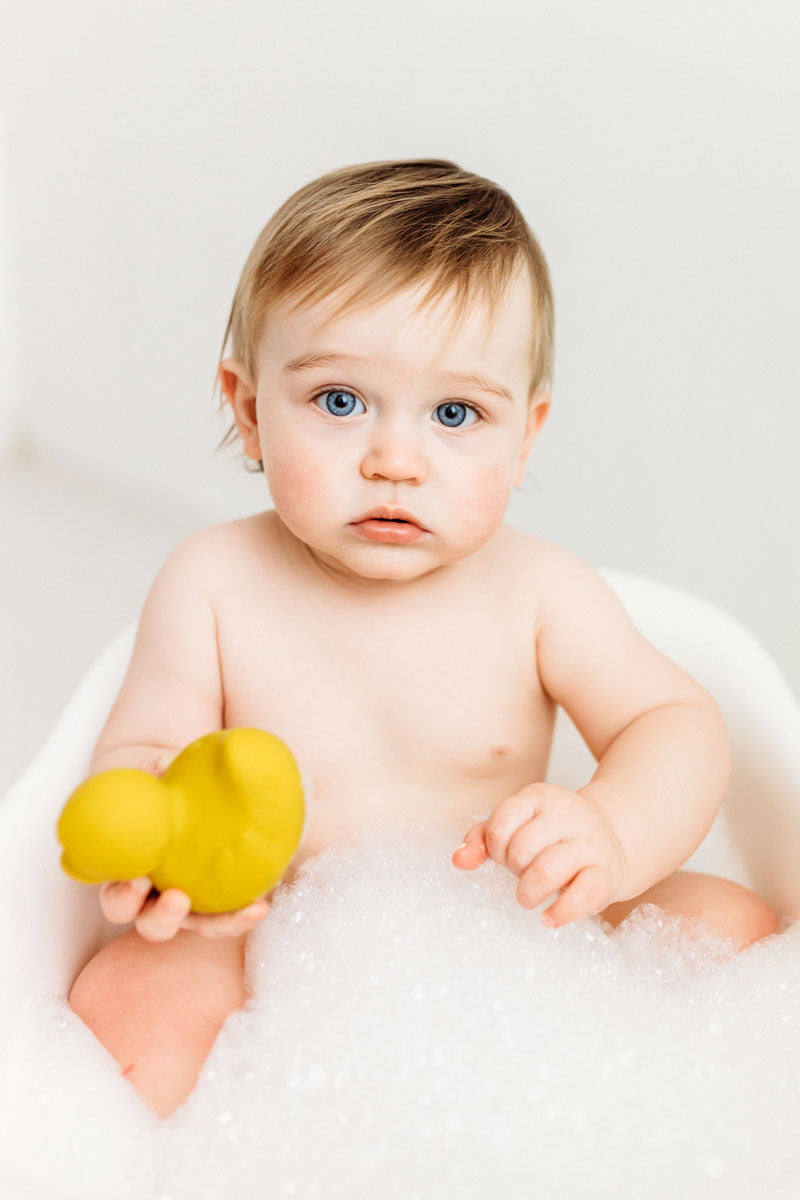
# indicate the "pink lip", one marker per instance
pixel 395 526
pixel 387 512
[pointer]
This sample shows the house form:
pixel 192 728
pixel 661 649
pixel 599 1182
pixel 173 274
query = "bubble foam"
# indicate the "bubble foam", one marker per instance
pixel 412 1031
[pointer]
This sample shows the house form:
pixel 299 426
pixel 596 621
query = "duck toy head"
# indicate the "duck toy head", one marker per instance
pixel 222 823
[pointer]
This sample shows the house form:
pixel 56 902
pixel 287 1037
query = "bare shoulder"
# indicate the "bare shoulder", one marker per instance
pixel 230 537
pixel 215 549
pixel 174 688
pixel 549 567
pixel 562 590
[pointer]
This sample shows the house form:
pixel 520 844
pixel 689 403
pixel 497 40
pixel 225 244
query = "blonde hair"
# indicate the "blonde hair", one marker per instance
pixel 375 229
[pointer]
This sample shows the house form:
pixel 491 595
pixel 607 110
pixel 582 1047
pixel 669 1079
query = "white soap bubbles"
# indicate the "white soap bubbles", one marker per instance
pixel 413 1031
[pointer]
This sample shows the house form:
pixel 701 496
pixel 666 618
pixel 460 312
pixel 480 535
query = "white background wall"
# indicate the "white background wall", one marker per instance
pixel 653 148
pixel 8 345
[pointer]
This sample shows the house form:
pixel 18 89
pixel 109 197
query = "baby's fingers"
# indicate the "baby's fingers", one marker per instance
pixel 588 893
pixel 232 924
pixel 121 902
pixel 472 851
pixel 160 920
pixel 511 815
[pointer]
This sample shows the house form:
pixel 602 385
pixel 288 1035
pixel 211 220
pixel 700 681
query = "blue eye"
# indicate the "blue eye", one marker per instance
pixel 455 415
pixel 338 402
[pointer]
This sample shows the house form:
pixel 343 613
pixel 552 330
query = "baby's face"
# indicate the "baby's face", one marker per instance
pixel 365 412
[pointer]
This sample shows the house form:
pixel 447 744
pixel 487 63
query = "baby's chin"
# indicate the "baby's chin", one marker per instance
pixel 366 565
pixel 378 566
pixel 381 566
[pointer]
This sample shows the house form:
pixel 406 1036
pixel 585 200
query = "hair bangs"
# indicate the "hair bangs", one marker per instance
pixel 371 231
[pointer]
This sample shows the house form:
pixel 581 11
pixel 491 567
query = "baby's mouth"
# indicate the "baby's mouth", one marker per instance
pixel 389 515
pixel 395 526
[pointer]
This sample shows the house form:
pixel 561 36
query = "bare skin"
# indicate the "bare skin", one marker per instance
pixel 416 678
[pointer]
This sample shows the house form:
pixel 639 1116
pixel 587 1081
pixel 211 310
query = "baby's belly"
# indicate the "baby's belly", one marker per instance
pixel 334 814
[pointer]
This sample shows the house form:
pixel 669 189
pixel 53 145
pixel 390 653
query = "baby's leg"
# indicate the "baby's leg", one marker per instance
pixel 157 1007
pixel 722 906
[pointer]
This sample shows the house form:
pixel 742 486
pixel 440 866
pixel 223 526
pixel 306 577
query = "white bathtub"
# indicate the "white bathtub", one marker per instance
pixel 51 925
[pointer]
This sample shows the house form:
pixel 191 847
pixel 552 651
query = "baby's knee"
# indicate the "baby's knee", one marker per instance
pixel 722 906
pixel 728 908
pixel 157 1007
pixel 744 914
pixel 98 992
pixel 187 972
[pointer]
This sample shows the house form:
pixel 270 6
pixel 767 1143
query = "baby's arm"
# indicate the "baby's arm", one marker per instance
pixel 171 694
pixel 662 750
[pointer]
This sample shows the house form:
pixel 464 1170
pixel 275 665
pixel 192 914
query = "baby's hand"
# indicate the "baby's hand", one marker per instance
pixel 160 916
pixel 550 838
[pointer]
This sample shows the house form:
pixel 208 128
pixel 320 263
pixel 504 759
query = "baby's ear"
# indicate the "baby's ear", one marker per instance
pixel 240 391
pixel 538 408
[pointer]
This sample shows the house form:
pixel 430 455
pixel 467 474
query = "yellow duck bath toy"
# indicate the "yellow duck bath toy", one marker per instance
pixel 222 823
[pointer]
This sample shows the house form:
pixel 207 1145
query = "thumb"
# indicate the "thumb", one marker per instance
pixel 472 852
pixel 157 764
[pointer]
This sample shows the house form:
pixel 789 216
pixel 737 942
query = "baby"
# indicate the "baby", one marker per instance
pixel 391 351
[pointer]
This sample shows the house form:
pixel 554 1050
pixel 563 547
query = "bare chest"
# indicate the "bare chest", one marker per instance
pixel 430 710
pixel 447 701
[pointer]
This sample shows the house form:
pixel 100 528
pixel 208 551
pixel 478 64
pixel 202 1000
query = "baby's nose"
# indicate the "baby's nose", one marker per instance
pixel 395 454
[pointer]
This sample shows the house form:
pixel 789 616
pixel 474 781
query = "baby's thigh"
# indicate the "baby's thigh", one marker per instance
pixel 722 906
pixel 158 1006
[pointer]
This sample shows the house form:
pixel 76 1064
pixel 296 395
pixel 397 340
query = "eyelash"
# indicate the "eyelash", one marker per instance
pixel 480 415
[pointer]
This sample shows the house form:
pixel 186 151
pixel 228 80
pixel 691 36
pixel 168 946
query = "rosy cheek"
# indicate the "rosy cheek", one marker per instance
pixel 488 499
pixel 294 479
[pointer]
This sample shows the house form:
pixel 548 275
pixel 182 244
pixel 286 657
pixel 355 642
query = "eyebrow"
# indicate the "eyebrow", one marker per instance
pixel 323 358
